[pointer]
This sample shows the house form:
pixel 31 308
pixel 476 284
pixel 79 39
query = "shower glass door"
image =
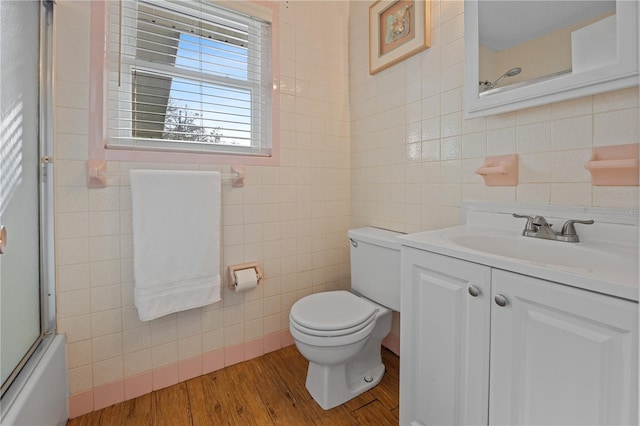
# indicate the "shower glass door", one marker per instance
pixel 20 294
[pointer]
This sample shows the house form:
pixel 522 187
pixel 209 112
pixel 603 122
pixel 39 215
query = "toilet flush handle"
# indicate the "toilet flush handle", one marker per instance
pixel 354 243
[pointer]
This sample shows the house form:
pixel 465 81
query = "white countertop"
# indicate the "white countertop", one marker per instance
pixel 605 261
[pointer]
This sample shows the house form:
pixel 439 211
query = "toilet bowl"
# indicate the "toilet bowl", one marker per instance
pixel 344 359
pixel 341 333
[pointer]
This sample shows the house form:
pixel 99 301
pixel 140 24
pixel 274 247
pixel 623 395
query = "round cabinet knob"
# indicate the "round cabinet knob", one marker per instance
pixel 501 300
pixel 473 291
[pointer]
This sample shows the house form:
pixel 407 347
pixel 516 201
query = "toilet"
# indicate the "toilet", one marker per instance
pixel 339 332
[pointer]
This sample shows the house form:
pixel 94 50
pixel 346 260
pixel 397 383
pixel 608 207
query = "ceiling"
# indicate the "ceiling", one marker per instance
pixel 507 23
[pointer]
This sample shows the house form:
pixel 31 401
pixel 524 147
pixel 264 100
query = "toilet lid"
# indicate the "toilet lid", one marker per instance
pixel 332 311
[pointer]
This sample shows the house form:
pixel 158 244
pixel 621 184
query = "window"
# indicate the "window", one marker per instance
pixel 189 76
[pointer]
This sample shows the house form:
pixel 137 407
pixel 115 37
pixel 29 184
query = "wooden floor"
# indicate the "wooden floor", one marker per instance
pixel 268 390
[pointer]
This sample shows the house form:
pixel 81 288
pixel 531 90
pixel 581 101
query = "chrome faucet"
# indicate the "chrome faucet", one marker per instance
pixel 538 227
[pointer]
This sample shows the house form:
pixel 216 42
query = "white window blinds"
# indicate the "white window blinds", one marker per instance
pixel 188 76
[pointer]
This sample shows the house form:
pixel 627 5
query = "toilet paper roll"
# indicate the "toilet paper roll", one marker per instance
pixel 246 279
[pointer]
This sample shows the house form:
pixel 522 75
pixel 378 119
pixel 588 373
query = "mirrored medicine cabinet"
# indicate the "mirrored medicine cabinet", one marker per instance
pixel 520 54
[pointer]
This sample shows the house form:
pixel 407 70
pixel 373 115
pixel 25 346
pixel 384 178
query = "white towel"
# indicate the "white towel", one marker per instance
pixel 176 240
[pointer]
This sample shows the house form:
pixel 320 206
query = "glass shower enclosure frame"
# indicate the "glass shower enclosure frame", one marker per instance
pixel 43 166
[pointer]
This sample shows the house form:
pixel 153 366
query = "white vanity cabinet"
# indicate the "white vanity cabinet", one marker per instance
pixel 481 345
pixel 444 367
pixel 561 355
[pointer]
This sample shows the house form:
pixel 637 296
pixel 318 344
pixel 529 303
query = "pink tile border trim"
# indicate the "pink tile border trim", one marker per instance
pixel 233 354
pixel 272 342
pixel 141 384
pixel 286 339
pixel 80 403
pixel 165 376
pixel 189 368
pixel 253 349
pixel 107 395
pixel 138 385
pixel 212 361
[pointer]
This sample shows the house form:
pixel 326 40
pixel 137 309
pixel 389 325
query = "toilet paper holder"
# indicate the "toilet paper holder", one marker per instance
pixel 241 266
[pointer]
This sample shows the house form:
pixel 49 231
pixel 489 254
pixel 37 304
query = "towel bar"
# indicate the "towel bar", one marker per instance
pixel 97 174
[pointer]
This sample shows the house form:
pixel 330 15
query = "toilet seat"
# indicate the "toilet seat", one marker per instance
pixel 332 333
pixel 332 314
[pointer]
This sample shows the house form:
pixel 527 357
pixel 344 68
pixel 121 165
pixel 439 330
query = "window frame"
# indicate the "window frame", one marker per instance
pixel 98 135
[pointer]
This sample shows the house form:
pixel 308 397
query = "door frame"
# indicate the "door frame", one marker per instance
pixel 47 249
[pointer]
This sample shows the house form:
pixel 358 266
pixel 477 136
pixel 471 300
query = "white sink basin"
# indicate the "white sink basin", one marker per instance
pixel 600 266
pixel 573 257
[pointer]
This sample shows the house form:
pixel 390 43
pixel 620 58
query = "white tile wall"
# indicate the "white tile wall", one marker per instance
pixel 553 141
pixel 292 218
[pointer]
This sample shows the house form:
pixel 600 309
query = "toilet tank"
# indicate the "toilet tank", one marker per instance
pixel 375 265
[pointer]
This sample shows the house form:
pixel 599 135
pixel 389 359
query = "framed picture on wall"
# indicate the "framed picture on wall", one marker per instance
pixel 398 29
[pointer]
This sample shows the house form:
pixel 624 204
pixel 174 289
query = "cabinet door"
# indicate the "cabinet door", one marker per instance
pixel 445 340
pixel 561 355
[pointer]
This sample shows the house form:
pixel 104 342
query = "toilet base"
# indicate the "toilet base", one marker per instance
pixel 332 385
